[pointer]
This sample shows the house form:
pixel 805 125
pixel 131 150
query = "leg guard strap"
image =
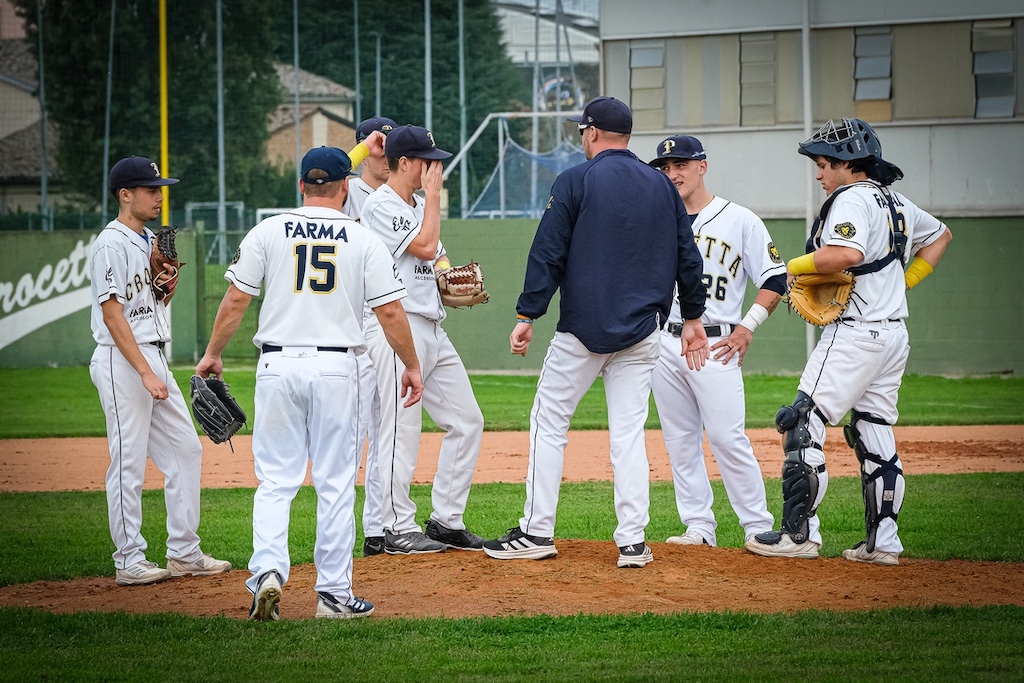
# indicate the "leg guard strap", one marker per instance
pixel 888 471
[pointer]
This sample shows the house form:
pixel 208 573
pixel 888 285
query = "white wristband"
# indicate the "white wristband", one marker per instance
pixel 754 317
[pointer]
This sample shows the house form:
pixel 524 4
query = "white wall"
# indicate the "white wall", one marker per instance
pixel 963 169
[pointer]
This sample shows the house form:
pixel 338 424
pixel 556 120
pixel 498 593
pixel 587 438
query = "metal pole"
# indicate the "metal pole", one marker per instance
pixel 165 212
pixel 44 192
pixel 222 219
pixel 463 189
pixel 106 122
pixel 558 69
pixel 298 128
pixel 535 125
pixel 355 41
pixel 501 166
pixel 376 111
pixel 805 39
pixel 428 86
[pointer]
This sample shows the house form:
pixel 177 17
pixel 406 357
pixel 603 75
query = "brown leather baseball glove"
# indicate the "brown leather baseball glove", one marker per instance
pixel 462 285
pixel 820 298
pixel 164 263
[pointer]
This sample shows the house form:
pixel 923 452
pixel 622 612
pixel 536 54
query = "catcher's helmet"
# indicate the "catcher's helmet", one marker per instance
pixel 848 140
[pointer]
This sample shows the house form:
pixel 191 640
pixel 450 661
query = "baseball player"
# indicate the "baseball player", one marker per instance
pixel 375 172
pixel 144 409
pixel 594 225
pixel 736 246
pixel 410 226
pixel 863 227
pixel 319 269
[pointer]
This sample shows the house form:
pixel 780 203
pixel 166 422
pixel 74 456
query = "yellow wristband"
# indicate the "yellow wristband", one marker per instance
pixel 802 264
pixel 443 264
pixel 359 154
pixel 918 270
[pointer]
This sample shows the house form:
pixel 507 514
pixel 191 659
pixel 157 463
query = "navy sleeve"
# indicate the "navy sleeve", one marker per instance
pixel 692 291
pixel 776 283
pixel 545 266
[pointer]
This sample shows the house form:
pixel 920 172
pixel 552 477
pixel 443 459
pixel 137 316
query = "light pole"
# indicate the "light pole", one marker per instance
pixel 355 42
pixel 376 111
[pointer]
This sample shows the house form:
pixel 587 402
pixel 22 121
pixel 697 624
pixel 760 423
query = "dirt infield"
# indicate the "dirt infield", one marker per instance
pixel 583 578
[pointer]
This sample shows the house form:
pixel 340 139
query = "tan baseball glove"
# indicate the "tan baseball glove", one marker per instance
pixel 820 298
pixel 462 285
pixel 163 260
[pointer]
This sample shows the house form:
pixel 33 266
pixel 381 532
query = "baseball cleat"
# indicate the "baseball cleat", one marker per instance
pixel 266 601
pixel 859 553
pixel 329 607
pixel 781 544
pixel 456 539
pixel 518 545
pixel 410 543
pixel 204 566
pixel 373 545
pixel 635 556
pixel 141 573
pixel 691 537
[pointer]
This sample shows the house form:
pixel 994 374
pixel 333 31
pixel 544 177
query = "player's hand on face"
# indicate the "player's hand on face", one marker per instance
pixel 736 343
pixel 412 387
pixel 375 143
pixel 694 341
pixel 431 176
pixel 520 338
pixel 155 386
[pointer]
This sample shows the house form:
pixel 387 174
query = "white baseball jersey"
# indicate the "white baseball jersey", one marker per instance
pixel 735 245
pixel 358 191
pixel 302 255
pixel 119 266
pixel 138 426
pixel 860 219
pixel 398 224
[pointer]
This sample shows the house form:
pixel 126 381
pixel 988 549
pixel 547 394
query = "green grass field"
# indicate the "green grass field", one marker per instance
pixel 56 536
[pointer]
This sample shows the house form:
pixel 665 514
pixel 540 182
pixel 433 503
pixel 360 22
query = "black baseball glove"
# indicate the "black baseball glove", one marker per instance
pixel 215 409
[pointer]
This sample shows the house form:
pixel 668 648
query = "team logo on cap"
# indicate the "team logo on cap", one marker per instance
pixel 773 253
pixel 845 230
pixel 386 128
pixel 667 147
pixel 431 136
pixel 156 171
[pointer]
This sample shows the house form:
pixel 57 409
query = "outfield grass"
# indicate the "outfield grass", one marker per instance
pixel 62 402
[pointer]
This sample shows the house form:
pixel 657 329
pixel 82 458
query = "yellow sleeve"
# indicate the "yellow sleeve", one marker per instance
pixel 359 154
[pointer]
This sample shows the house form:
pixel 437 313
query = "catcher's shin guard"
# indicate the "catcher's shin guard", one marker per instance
pixel 799 480
pixel 880 502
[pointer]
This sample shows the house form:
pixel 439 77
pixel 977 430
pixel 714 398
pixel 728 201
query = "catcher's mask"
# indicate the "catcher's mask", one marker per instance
pixel 847 140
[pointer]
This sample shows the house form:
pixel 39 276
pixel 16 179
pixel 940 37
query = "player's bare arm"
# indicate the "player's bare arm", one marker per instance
pixel 229 316
pixel 121 331
pixel 927 258
pixel 395 323
pixel 694 341
pixel 830 258
pixel 739 341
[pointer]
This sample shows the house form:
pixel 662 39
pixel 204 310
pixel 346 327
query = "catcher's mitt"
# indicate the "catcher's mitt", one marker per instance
pixel 820 298
pixel 462 285
pixel 164 259
pixel 215 409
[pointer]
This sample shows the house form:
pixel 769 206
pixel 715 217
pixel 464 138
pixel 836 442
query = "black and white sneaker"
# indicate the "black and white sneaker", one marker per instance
pixel 635 556
pixel 410 543
pixel 329 607
pixel 373 545
pixel 457 539
pixel 518 545
pixel 266 600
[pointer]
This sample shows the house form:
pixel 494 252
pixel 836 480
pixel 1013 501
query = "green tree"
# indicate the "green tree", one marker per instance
pixel 493 83
pixel 75 35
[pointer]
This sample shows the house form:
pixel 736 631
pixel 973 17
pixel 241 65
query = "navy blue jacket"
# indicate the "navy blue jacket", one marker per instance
pixel 614 239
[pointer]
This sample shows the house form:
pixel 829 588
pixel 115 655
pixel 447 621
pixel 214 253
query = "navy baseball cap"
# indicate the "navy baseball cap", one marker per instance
pixel 330 160
pixel 136 171
pixel 606 113
pixel 679 147
pixel 381 123
pixel 413 142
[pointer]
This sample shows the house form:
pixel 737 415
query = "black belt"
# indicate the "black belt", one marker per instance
pixel 270 348
pixel 851 320
pixel 159 345
pixel 676 330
